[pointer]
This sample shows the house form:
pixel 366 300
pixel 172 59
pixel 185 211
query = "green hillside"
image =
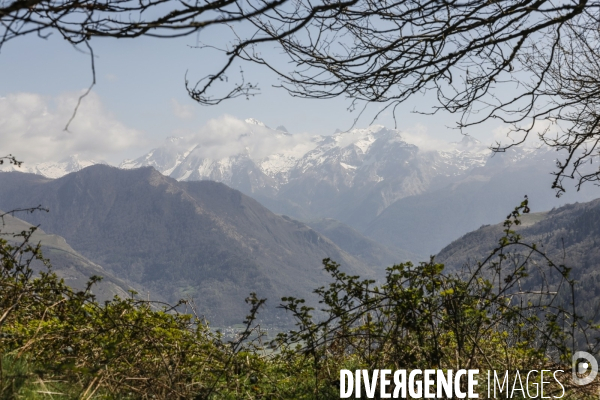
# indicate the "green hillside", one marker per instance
pixel 569 235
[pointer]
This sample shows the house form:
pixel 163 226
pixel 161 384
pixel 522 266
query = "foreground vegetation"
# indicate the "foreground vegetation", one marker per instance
pixel 514 310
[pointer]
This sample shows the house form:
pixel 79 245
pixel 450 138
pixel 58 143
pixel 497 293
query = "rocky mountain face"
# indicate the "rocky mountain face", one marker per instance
pixel 349 176
pixel 194 239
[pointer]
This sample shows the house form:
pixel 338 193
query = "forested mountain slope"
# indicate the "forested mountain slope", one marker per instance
pixel 199 240
pixel 68 264
pixel 569 235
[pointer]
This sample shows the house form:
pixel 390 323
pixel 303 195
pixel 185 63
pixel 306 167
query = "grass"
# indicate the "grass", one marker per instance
pixel 20 381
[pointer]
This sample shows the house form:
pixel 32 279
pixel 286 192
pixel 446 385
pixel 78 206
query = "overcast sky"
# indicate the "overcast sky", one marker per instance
pixel 140 99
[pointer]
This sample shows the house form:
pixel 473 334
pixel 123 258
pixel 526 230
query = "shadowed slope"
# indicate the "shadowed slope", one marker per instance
pixel 180 239
pixel 68 264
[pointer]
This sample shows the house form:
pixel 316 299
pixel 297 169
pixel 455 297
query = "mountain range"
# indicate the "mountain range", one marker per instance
pixel 72 163
pixel 348 176
pixel 197 239
pixel 204 241
pixel 411 200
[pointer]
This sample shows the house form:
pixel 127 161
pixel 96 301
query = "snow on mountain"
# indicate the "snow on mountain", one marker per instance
pixel 249 147
pixel 253 121
pixel 55 169
pixel 348 175
pixel 464 155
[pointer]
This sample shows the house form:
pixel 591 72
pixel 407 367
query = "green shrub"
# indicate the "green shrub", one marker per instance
pixel 496 316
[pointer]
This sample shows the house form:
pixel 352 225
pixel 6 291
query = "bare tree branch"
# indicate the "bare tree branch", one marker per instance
pixel 531 65
pixel 527 64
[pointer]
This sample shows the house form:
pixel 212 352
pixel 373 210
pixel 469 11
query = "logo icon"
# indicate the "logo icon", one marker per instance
pixel 582 367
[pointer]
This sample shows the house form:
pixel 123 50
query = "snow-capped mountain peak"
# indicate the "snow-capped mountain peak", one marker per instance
pixel 252 121
pixel 310 171
pixel 310 175
pixel 277 156
pixel 55 169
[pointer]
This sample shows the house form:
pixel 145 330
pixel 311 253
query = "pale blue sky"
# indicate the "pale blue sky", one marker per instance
pixel 140 83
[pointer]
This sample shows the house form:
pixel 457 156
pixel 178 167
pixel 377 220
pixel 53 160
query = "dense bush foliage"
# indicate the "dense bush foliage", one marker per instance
pixel 514 310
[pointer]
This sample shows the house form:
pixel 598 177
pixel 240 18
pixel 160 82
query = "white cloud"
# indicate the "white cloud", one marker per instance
pixel 228 136
pixel 32 129
pixel 183 111
pixel 505 135
pixel 419 136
